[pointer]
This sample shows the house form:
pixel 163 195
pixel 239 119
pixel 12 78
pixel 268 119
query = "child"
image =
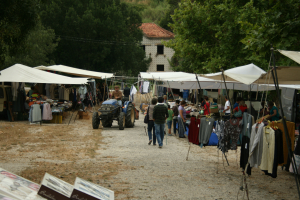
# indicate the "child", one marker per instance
pixel 170 119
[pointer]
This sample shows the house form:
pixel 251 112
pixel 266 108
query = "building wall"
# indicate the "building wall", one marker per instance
pixel 151 50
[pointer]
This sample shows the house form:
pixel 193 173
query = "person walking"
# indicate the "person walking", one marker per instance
pixel 227 108
pixel 175 115
pixel 181 119
pixel 151 122
pixel 169 120
pixel 160 114
pixel 126 91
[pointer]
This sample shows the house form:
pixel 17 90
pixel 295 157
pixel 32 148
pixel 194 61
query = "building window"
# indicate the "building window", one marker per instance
pixel 144 47
pixel 160 49
pixel 160 68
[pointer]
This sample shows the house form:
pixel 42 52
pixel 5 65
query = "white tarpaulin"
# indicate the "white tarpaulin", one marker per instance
pixel 215 85
pixel 246 74
pixel 24 74
pixel 294 55
pixel 76 71
pixel 170 76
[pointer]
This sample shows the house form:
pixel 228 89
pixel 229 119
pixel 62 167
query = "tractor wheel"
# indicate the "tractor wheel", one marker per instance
pixel 95 120
pixel 106 123
pixel 121 121
pixel 130 116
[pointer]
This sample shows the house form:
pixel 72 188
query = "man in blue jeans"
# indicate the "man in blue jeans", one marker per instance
pixel 160 114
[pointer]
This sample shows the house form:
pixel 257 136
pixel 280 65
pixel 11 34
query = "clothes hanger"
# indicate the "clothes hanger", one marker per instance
pixel 267 127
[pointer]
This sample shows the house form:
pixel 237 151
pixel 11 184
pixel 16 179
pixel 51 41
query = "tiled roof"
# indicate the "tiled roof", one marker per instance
pixel 151 30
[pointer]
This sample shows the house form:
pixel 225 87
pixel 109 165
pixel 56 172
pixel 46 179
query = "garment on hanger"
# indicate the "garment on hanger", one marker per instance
pixel 47 112
pixel 61 91
pixel 133 91
pixel 291 132
pixel 66 94
pixel 220 126
pixel 36 113
pixel 245 154
pixel 82 91
pixel 141 87
pixel 256 144
pixel 231 132
pixel 267 158
pixel 146 87
pixel 246 124
pixel 194 127
pixel 206 127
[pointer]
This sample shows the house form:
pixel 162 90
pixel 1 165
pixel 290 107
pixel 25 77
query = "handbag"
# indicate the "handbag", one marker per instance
pixel 238 113
pixel 146 119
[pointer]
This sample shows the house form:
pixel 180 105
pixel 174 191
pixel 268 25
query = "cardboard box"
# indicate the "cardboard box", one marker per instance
pixel 55 189
pixel 214 110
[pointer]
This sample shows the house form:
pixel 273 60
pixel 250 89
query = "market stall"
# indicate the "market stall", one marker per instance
pixel 50 94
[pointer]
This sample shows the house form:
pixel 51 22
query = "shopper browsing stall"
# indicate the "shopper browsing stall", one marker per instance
pixel 181 119
pixel 170 119
pixel 242 107
pixel 175 115
pixel 274 115
pixel 227 108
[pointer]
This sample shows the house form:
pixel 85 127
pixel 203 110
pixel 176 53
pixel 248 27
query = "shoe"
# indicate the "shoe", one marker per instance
pixel 150 141
pixel 160 147
pixel 154 144
pixel 182 137
pixel 170 135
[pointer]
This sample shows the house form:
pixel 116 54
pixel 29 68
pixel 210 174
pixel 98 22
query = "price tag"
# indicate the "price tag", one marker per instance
pixel 198 125
pixel 246 146
pixel 248 125
pixel 209 123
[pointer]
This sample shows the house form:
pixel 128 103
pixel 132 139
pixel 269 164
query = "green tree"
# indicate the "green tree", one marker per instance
pixel 17 18
pixel 277 23
pixel 97 35
pixel 39 43
pixel 167 19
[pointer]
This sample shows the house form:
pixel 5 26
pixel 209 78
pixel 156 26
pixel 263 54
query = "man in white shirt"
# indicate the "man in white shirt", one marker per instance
pixel 227 108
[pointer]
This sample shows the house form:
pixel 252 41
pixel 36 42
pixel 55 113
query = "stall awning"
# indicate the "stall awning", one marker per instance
pixel 285 75
pixel 22 73
pixel 76 71
pixel 294 55
pixel 246 74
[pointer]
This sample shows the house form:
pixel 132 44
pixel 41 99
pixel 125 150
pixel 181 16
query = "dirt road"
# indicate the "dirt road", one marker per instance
pixel 123 162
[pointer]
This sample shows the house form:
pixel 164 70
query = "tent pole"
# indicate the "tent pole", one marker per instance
pixel 171 90
pixel 198 85
pixel 227 93
pixel 287 137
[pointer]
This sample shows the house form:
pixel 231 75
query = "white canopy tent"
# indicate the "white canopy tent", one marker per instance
pixel 76 71
pixel 22 73
pixel 216 85
pixel 171 76
pixel 246 74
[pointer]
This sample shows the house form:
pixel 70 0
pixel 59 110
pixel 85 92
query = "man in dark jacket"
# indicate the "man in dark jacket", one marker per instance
pixel 160 114
pixel 126 91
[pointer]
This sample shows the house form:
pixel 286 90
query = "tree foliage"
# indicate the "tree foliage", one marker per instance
pixel 17 18
pixel 214 34
pixel 96 35
pixel 38 45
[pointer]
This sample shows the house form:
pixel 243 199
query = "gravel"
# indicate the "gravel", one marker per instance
pixel 154 173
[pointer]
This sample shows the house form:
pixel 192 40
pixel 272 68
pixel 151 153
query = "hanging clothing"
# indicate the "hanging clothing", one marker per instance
pixel 268 150
pixel 246 124
pixel 47 88
pixel 66 94
pixel 36 113
pixel 291 132
pixel 231 132
pixel 256 144
pixel 245 154
pixel 206 127
pixel 194 131
pixel 82 91
pixel 47 112
pixel 146 87
pixel 220 126
pixel 14 90
pixel 133 91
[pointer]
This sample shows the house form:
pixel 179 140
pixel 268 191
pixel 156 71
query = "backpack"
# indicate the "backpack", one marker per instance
pixel 239 113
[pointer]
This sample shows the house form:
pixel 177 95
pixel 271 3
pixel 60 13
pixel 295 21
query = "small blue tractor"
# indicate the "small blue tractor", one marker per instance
pixel 110 110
